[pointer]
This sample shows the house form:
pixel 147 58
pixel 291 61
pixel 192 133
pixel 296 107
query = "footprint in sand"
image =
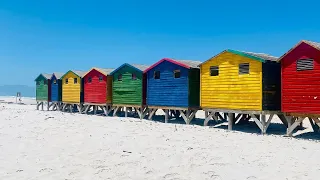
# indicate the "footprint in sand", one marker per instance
pixel 170 175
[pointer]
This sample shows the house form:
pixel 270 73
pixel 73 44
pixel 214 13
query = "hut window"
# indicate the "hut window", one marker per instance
pixel 67 81
pixel 54 81
pixel 214 71
pixel 156 75
pixel 304 64
pixel 38 83
pixel 45 82
pixel 89 79
pixel 75 80
pixel 100 78
pixel 134 76
pixel 120 77
pixel 244 68
pixel 177 74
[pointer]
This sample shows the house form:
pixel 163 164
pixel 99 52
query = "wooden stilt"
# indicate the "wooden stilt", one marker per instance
pixel 294 125
pixel 230 121
pixel 42 106
pixel 151 113
pixel 166 116
pixel 125 112
pixel 263 123
pixel 115 111
pixel 94 109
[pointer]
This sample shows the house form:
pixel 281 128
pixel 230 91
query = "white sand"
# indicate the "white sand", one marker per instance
pixel 61 146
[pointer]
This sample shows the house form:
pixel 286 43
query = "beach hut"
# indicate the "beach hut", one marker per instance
pixel 129 90
pixel 98 89
pixel 56 91
pixel 301 84
pixel 245 83
pixel 173 86
pixel 72 90
pixel 43 90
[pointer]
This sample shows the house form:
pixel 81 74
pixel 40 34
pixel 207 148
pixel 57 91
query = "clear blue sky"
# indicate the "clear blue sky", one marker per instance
pixel 45 36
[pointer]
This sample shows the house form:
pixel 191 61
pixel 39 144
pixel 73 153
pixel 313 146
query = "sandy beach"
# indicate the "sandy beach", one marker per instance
pixel 62 146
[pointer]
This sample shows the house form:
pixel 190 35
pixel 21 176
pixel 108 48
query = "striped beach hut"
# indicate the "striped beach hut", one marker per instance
pixel 129 88
pixel 98 89
pixel 72 90
pixel 241 82
pixel 174 85
pixel 301 84
pixel 43 89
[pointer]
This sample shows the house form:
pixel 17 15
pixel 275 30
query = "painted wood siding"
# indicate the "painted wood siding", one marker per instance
pixel 194 88
pixel 42 90
pixel 271 86
pixel 127 91
pixel 95 91
pixel 71 92
pixel 301 89
pixel 230 90
pixel 168 91
pixel 56 89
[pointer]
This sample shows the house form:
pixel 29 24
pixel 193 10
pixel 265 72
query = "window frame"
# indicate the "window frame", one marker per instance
pixel 66 81
pixel 305 68
pixel 120 77
pixel 75 80
pixel 214 68
pixel 134 76
pixel 155 74
pixel 241 65
pixel 55 81
pixel 89 80
pixel 38 83
pixel 175 72
pixel 100 78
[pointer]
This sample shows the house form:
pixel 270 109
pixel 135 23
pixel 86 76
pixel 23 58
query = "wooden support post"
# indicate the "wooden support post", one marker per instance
pixel 263 123
pixel 107 110
pixel 314 126
pixel 115 111
pixel 166 116
pixel 294 125
pixel 206 114
pixel 210 115
pixel 42 106
pixel 230 120
pixel 151 113
pixel 95 108
pixel 125 112
pixel 71 108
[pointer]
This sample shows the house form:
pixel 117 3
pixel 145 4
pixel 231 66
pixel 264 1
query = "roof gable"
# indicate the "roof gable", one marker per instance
pixel 310 43
pixel 58 75
pixel 44 76
pixel 261 57
pixel 189 64
pixel 137 67
pixel 77 73
pixel 104 71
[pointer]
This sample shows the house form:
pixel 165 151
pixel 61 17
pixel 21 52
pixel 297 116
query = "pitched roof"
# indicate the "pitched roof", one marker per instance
pixel 262 57
pixel 45 75
pixel 58 75
pixel 138 67
pixel 189 64
pixel 78 73
pixel 311 43
pixel 104 71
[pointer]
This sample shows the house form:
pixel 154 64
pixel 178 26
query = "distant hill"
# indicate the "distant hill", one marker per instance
pixel 11 90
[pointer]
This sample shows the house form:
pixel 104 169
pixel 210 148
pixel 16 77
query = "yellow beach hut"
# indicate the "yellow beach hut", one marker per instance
pixel 240 82
pixel 72 90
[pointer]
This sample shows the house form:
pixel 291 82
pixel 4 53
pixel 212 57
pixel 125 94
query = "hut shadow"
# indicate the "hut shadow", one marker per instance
pixel 180 120
pixel 252 128
pixel 314 136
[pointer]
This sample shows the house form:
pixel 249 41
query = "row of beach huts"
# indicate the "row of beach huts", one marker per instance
pixel 233 85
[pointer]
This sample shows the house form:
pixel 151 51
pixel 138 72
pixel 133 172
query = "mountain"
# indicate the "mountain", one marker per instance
pixel 11 90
